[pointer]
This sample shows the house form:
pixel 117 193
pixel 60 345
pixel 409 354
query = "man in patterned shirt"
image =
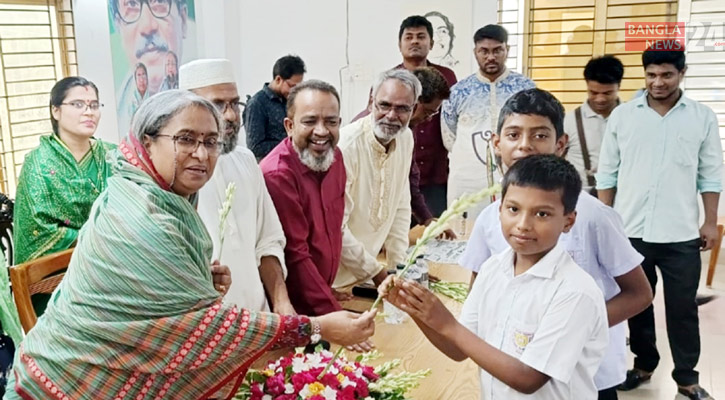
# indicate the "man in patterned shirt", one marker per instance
pixel 473 107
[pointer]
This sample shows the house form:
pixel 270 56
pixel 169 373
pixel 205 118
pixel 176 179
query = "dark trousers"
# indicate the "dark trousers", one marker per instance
pixel 435 198
pixel 680 267
pixel 7 351
pixel 608 394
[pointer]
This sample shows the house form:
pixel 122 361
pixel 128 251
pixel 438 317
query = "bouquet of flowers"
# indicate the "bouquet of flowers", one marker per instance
pixel 301 376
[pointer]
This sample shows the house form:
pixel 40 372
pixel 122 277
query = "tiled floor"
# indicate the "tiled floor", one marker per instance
pixel 712 333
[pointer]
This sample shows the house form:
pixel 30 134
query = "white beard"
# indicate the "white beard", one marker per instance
pixel 230 141
pixel 384 136
pixel 318 164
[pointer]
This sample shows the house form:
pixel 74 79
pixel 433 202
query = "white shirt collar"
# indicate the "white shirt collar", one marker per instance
pixel 544 268
pixel 641 101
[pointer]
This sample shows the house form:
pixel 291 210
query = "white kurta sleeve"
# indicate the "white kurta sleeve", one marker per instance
pixel 356 264
pixel 396 243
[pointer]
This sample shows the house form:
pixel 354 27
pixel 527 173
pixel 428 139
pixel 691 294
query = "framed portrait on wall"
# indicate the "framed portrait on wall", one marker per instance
pixel 150 39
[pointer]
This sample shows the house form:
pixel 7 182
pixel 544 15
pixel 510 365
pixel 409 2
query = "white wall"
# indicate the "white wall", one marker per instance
pixel 94 59
pixel 316 31
pixel 253 34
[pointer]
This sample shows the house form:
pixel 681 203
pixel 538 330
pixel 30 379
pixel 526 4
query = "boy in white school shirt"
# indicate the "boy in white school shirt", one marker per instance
pixel 531 122
pixel 534 321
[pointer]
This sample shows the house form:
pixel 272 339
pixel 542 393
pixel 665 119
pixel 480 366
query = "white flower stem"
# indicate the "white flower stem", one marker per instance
pixel 433 230
pixel 224 213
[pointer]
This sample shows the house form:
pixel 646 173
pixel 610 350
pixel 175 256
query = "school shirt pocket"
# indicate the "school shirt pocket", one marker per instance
pixel 517 336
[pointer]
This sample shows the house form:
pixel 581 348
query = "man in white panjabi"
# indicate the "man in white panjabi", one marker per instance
pixel 254 241
pixel 470 115
pixel 377 151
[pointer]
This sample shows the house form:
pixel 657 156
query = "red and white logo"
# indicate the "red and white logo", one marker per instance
pixel 658 36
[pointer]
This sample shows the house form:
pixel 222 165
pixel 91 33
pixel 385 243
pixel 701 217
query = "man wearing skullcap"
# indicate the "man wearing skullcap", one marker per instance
pixel 254 239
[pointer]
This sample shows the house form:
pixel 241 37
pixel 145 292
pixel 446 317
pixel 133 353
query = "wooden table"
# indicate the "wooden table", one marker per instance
pixel 448 379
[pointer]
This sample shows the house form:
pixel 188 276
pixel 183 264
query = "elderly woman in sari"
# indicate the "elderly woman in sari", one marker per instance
pixel 137 313
pixel 62 177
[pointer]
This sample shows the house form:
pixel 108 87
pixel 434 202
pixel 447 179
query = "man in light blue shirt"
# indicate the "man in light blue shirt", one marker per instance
pixel 659 151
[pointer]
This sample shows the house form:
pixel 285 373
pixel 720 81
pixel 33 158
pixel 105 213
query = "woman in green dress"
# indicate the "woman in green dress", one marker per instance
pixel 62 177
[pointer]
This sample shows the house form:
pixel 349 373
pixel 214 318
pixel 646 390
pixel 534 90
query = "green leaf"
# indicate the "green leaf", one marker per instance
pixel 254 376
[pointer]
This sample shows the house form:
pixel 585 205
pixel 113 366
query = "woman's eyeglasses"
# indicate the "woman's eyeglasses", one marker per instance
pixel 82 105
pixel 188 144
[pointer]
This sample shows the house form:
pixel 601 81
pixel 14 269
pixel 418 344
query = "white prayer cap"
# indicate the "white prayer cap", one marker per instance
pixel 206 72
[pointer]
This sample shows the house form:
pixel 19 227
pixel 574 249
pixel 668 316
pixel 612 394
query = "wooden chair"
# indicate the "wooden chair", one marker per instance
pixel 715 252
pixel 33 277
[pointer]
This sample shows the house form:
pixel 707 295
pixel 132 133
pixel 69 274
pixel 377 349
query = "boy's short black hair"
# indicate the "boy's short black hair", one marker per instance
pixel 605 69
pixel 288 66
pixel 534 102
pixel 657 57
pixel 546 172
pixel 415 21
pixel 491 31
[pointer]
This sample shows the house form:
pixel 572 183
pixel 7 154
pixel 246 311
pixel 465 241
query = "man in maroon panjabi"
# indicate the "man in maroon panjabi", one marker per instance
pixel 305 176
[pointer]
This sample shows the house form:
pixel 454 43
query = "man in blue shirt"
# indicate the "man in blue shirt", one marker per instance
pixel 265 112
pixel 659 151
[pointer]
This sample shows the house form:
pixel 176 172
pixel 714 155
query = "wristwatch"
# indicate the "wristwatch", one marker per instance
pixel 316 335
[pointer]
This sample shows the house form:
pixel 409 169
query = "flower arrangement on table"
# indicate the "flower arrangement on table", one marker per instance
pixel 323 375
pixel 300 376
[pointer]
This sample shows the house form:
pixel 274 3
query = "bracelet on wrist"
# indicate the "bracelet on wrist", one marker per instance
pixel 316 333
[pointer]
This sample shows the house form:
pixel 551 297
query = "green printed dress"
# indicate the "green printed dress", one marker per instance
pixel 54 197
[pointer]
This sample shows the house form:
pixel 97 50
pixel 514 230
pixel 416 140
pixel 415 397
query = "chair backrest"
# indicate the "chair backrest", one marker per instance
pixel 33 277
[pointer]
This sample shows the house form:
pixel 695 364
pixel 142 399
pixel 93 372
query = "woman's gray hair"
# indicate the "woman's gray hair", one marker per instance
pixel 156 111
pixel 402 75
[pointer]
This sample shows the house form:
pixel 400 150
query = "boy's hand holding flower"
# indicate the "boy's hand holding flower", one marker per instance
pixel 421 304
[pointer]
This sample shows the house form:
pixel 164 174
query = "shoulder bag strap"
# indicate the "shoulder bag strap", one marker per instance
pixel 583 143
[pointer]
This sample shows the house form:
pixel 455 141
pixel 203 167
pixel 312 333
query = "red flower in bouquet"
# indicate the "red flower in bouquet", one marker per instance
pixel 299 376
